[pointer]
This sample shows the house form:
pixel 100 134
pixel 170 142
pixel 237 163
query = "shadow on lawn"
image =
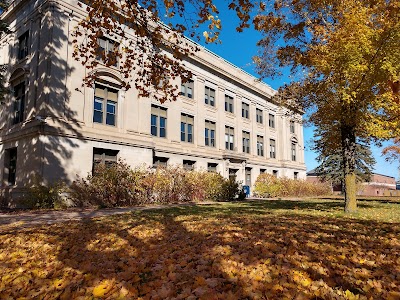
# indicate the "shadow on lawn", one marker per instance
pixel 174 253
pixel 259 207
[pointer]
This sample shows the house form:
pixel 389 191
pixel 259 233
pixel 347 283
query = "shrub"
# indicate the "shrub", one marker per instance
pixel 268 185
pixel 40 195
pixel 119 185
pixel 111 186
pixel 231 190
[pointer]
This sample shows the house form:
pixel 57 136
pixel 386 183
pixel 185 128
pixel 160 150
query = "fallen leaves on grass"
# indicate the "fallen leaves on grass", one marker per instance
pixel 159 256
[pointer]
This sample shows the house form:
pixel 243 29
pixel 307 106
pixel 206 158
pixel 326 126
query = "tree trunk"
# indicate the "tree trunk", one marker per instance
pixel 349 163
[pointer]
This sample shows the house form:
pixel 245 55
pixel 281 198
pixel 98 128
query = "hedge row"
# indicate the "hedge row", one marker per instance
pixel 268 185
pixel 120 185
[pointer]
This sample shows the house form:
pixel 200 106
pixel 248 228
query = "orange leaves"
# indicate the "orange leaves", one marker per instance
pixel 209 254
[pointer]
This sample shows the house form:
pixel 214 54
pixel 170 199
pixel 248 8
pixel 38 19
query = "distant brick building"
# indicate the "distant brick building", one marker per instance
pixel 379 185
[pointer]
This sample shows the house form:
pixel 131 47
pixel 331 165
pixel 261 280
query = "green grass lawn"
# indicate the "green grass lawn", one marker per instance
pixel 272 249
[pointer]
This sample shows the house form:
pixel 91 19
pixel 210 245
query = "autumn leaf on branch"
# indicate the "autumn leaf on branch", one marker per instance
pixel 144 41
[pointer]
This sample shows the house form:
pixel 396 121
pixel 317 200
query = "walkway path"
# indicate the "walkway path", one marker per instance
pixel 24 219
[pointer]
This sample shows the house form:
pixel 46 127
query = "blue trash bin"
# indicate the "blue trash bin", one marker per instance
pixel 246 190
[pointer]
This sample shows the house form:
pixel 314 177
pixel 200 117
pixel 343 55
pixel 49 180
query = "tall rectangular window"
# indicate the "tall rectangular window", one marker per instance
pixel 10 165
pixel 187 123
pixel 296 175
pixel 105 105
pixel 23 45
pixel 293 150
pixel 19 103
pixel 246 142
pixel 245 110
pixel 209 96
pixel 158 121
pixel 209 133
pixel 259 115
pixel 106 51
pixel 260 145
pixel 272 148
pixel 291 126
pixel 187 89
pixel 229 103
pixel 271 120
pixel 229 137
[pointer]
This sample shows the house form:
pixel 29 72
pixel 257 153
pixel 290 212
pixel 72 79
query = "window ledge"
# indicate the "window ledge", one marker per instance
pixel 210 108
pixel 230 115
pixel 188 100
pixel 105 127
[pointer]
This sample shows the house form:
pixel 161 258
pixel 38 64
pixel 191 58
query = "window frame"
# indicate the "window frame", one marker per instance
pixel 185 87
pixel 10 164
pixel 259 116
pixel 212 167
pixel 245 110
pixel 246 142
pixel 104 156
pixel 209 131
pixel 272 148
pixel 293 151
pixel 229 104
pixel 209 93
pixel 105 104
pixel 160 161
pixel 260 145
pixel 187 128
pixel 229 138
pixel 23 45
pixel 104 55
pixel 161 115
pixel 292 127
pixel 271 120
pixel 19 103
pixel 188 165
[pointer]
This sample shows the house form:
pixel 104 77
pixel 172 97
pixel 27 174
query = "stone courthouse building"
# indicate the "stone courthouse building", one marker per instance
pixel 50 126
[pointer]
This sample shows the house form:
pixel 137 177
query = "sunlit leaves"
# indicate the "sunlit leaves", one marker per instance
pixel 341 54
pixel 211 254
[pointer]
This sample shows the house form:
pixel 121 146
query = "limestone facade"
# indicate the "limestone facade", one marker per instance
pixel 51 126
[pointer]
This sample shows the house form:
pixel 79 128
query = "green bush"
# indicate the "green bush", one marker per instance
pixel 268 185
pixel 231 190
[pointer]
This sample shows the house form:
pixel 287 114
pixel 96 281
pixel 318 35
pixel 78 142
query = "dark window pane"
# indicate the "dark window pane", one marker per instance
pixel 98 116
pixel 98 103
pixel 111 107
pixel 110 119
pixel 153 130
pixel 153 120
pixel 162 132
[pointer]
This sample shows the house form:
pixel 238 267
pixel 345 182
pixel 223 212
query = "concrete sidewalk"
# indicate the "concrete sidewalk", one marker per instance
pixel 25 219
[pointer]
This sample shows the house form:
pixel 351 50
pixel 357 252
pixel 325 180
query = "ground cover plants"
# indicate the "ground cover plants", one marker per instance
pixel 275 249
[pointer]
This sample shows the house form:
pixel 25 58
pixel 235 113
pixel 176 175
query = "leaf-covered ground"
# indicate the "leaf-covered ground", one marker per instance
pixel 251 250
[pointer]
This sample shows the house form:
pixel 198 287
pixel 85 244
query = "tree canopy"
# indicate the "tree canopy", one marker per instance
pixel 151 39
pixel 342 55
pixel 330 167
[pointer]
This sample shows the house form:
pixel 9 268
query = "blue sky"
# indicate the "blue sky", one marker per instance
pixel 239 48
